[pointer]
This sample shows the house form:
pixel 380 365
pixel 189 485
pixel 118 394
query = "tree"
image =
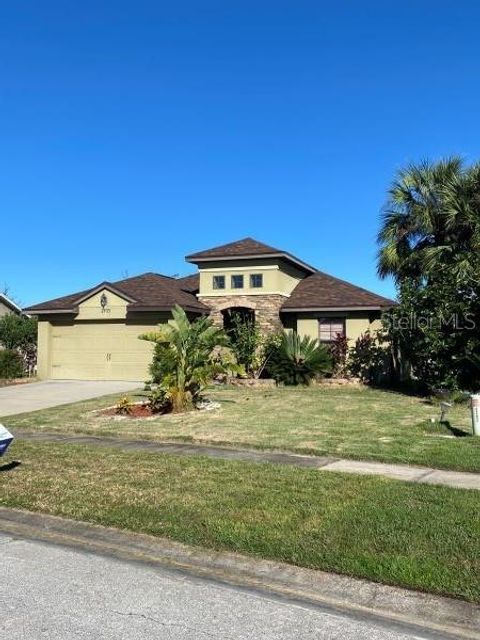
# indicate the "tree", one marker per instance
pixel 19 333
pixel 434 328
pixel 429 242
pixel 184 359
pixel 432 220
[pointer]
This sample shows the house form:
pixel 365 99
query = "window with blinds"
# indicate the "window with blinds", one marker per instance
pixel 330 328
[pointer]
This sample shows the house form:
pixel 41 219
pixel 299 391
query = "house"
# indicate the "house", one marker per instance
pixel 93 334
pixel 8 306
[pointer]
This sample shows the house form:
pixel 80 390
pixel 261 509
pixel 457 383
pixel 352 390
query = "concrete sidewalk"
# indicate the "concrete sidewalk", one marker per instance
pixel 407 473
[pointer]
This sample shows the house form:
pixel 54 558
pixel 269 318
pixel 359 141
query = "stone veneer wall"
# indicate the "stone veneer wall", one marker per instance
pixel 267 309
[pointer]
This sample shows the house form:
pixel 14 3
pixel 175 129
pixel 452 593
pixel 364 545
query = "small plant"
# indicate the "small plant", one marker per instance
pixel 11 364
pixel 298 360
pixel 159 398
pixel 124 406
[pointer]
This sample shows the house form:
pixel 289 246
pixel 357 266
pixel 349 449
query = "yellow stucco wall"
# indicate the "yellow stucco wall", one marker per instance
pixel 356 323
pixel 91 309
pixel 43 349
pixel 278 277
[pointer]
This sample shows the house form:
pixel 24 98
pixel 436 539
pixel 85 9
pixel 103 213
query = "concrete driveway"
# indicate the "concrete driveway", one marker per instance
pixel 50 393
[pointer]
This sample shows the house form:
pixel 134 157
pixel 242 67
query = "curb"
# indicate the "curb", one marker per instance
pixel 440 616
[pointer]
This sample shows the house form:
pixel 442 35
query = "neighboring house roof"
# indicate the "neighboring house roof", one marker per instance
pixel 244 249
pixel 146 292
pixel 321 291
pixel 5 300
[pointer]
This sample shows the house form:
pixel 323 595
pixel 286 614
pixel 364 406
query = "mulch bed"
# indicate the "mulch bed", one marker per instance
pixel 136 411
pixel 15 381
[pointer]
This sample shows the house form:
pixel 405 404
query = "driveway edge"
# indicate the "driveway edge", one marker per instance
pixel 359 598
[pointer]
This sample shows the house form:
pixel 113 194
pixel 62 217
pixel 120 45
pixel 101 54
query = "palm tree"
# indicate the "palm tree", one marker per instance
pixel 183 356
pixel 431 219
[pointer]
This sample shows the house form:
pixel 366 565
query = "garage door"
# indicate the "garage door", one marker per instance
pixel 99 351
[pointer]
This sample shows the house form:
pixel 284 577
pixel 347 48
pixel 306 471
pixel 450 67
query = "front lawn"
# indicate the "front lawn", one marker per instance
pixel 347 422
pixel 416 536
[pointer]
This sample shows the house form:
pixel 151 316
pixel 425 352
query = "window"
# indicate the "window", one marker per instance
pixel 219 282
pixel 237 282
pixel 256 280
pixel 330 328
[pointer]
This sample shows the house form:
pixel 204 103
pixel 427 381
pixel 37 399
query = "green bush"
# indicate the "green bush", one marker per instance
pixel 158 398
pixel 11 364
pixel 245 340
pixel 368 360
pixel 298 360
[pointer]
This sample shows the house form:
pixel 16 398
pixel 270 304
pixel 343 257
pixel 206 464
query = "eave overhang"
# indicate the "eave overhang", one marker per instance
pixel 258 256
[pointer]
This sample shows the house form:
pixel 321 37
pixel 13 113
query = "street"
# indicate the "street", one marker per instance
pixel 57 593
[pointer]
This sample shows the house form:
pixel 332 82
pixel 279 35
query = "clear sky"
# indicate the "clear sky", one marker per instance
pixel 133 133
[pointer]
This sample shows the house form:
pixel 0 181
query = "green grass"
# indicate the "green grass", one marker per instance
pixel 416 536
pixel 359 423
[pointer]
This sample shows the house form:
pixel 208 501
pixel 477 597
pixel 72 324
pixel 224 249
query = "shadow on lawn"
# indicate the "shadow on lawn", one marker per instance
pixel 455 431
pixel 9 466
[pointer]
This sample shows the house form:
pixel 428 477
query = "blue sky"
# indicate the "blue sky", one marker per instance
pixel 133 133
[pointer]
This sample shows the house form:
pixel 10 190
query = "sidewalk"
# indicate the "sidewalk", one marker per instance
pixel 422 475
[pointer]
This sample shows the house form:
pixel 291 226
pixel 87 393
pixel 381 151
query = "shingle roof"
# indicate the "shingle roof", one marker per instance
pixel 149 291
pixel 322 291
pixel 245 248
pixel 190 283
pixel 239 248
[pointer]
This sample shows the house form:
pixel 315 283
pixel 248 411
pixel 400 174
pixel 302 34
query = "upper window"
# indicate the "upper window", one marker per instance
pixel 256 280
pixel 330 328
pixel 219 282
pixel 237 282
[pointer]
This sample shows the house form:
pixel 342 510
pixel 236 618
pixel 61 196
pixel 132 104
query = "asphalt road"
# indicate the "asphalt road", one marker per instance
pixel 53 592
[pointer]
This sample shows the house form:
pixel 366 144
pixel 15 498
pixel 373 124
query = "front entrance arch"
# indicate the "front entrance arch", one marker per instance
pixel 244 314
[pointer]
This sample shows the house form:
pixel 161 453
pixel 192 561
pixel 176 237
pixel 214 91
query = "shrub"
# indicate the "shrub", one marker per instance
pixel 19 333
pixel 269 348
pixel 11 364
pixel 245 339
pixel 298 360
pixel 158 398
pixel 368 360
pixel 338 349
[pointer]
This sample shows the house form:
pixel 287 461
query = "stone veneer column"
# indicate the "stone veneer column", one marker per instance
pixel 267 309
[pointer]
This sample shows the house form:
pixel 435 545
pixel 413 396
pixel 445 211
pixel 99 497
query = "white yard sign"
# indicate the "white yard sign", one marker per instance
pixel 5 440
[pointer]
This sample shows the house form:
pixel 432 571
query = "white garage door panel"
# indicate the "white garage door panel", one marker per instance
pixel 103 351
